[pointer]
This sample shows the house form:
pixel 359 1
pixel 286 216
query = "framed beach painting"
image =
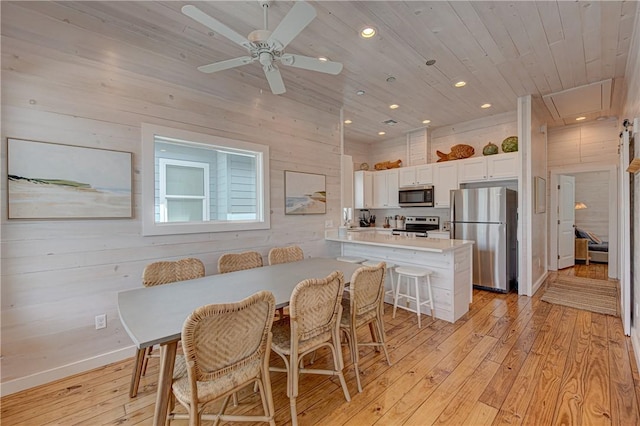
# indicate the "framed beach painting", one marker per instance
pixel 54 181
pixel 305 193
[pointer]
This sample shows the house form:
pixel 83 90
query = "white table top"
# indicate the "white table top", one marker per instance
pixel 396 241
pixel 154 315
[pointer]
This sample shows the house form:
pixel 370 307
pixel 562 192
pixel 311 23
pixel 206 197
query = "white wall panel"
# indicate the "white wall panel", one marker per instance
pixel 68 84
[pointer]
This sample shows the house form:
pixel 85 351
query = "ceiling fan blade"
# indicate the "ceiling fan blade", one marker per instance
pixel 217 26
pixel 313 64
pixel 225 65
pixel 300 15
pixel 275 79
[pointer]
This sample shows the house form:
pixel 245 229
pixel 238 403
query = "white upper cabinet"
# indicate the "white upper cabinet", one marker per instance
pixel 363 189
pixel 492 167
pixel 503 166
pixel 424 174
pixel 416 175
pixel 407 176
pixel 385 188
pixel 445 178
pixel 472 169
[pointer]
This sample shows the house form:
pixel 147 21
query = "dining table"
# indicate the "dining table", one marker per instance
pixel 154 315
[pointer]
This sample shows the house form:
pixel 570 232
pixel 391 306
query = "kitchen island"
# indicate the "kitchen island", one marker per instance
pixel 450 261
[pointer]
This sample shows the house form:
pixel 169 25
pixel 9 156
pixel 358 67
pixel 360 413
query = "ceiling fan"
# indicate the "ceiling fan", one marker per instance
pixel 267 47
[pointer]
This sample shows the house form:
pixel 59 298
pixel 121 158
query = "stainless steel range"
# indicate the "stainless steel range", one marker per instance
pixel 417 226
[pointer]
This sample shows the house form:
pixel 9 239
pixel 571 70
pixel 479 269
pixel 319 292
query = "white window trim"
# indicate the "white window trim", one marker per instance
pixel 151 227
pixel 163 163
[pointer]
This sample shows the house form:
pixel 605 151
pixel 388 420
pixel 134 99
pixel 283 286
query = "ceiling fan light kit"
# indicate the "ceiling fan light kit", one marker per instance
pixel 265 46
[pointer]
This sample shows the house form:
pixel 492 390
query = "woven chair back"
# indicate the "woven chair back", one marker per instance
pixel 231 262
pixel 218 339
pixel 165 272
pixel 366 289
pixel 288 254
pixel 315 304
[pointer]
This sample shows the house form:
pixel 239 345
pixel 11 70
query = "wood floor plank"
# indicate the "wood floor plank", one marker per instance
pixel 542 406
pixel 519 394
pixel 597 402
pixel 571 395
pixel 575 367
pixel 441 395
pixel 624 408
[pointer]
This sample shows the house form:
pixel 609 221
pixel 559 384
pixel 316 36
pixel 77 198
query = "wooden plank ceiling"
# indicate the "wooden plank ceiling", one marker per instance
pixel 501 49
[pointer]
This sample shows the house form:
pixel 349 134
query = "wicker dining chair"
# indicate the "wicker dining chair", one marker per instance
pixel 314 322
pixel 365 307
pixel 231 262
pixel 226 347
pixel 288 254
pixel 158 273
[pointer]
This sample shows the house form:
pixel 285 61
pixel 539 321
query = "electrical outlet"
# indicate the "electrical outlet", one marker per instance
pixel 101 321
pixel 328 224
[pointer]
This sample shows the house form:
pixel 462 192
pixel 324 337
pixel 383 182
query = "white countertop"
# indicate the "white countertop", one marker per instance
pixel 396 241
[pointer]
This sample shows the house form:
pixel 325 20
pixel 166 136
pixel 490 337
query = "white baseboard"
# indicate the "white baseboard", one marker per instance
pixel 538 284
pixel 41 378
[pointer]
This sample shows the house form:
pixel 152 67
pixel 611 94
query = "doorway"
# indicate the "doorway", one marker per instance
pixel 595 195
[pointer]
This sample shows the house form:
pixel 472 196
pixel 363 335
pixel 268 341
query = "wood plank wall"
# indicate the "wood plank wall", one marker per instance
pixel 592 189
pixel 63 82
pixel 592 143
pixel 476 133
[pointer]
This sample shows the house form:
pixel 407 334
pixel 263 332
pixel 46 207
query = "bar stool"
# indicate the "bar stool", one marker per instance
pixel 390 269
pixel 351 259
pixel 416 274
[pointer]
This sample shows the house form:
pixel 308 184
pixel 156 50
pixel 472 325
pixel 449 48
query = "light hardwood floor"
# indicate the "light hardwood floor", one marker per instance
pixel 510 360
pixel 597 271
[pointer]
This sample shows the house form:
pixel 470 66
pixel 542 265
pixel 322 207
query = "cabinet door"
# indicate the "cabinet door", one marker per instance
pixel 379 190
pixel 363 189
pixel 424 174
pixel 503 166
pixel 472 169
pixel 407 176
pixel 392 188
pixel 445 179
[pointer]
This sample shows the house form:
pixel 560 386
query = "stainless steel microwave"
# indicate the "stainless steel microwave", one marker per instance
pixel 416 196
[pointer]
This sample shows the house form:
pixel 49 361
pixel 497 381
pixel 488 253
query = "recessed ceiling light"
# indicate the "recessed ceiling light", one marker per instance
pixel 367 32
pixel 426 121
pixel 360 92
pixel 460 84
pixel 580 118
pixel 394 106
pixel 323 58
pixel 430 62
pixel 348 121
pixel 382 133
pixel 485 106
pixel 391 79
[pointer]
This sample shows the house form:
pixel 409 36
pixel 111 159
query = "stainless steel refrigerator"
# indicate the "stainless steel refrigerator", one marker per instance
pixel 489 217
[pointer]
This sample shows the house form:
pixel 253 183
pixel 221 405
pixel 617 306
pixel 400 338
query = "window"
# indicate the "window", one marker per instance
pixel 201 183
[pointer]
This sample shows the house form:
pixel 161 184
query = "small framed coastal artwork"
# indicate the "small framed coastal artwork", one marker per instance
pixel 54 181
pixel 304 193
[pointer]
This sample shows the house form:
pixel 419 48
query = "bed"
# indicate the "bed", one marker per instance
pixel 598 249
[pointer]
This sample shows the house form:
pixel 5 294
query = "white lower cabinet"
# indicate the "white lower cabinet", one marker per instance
pixel 451 280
